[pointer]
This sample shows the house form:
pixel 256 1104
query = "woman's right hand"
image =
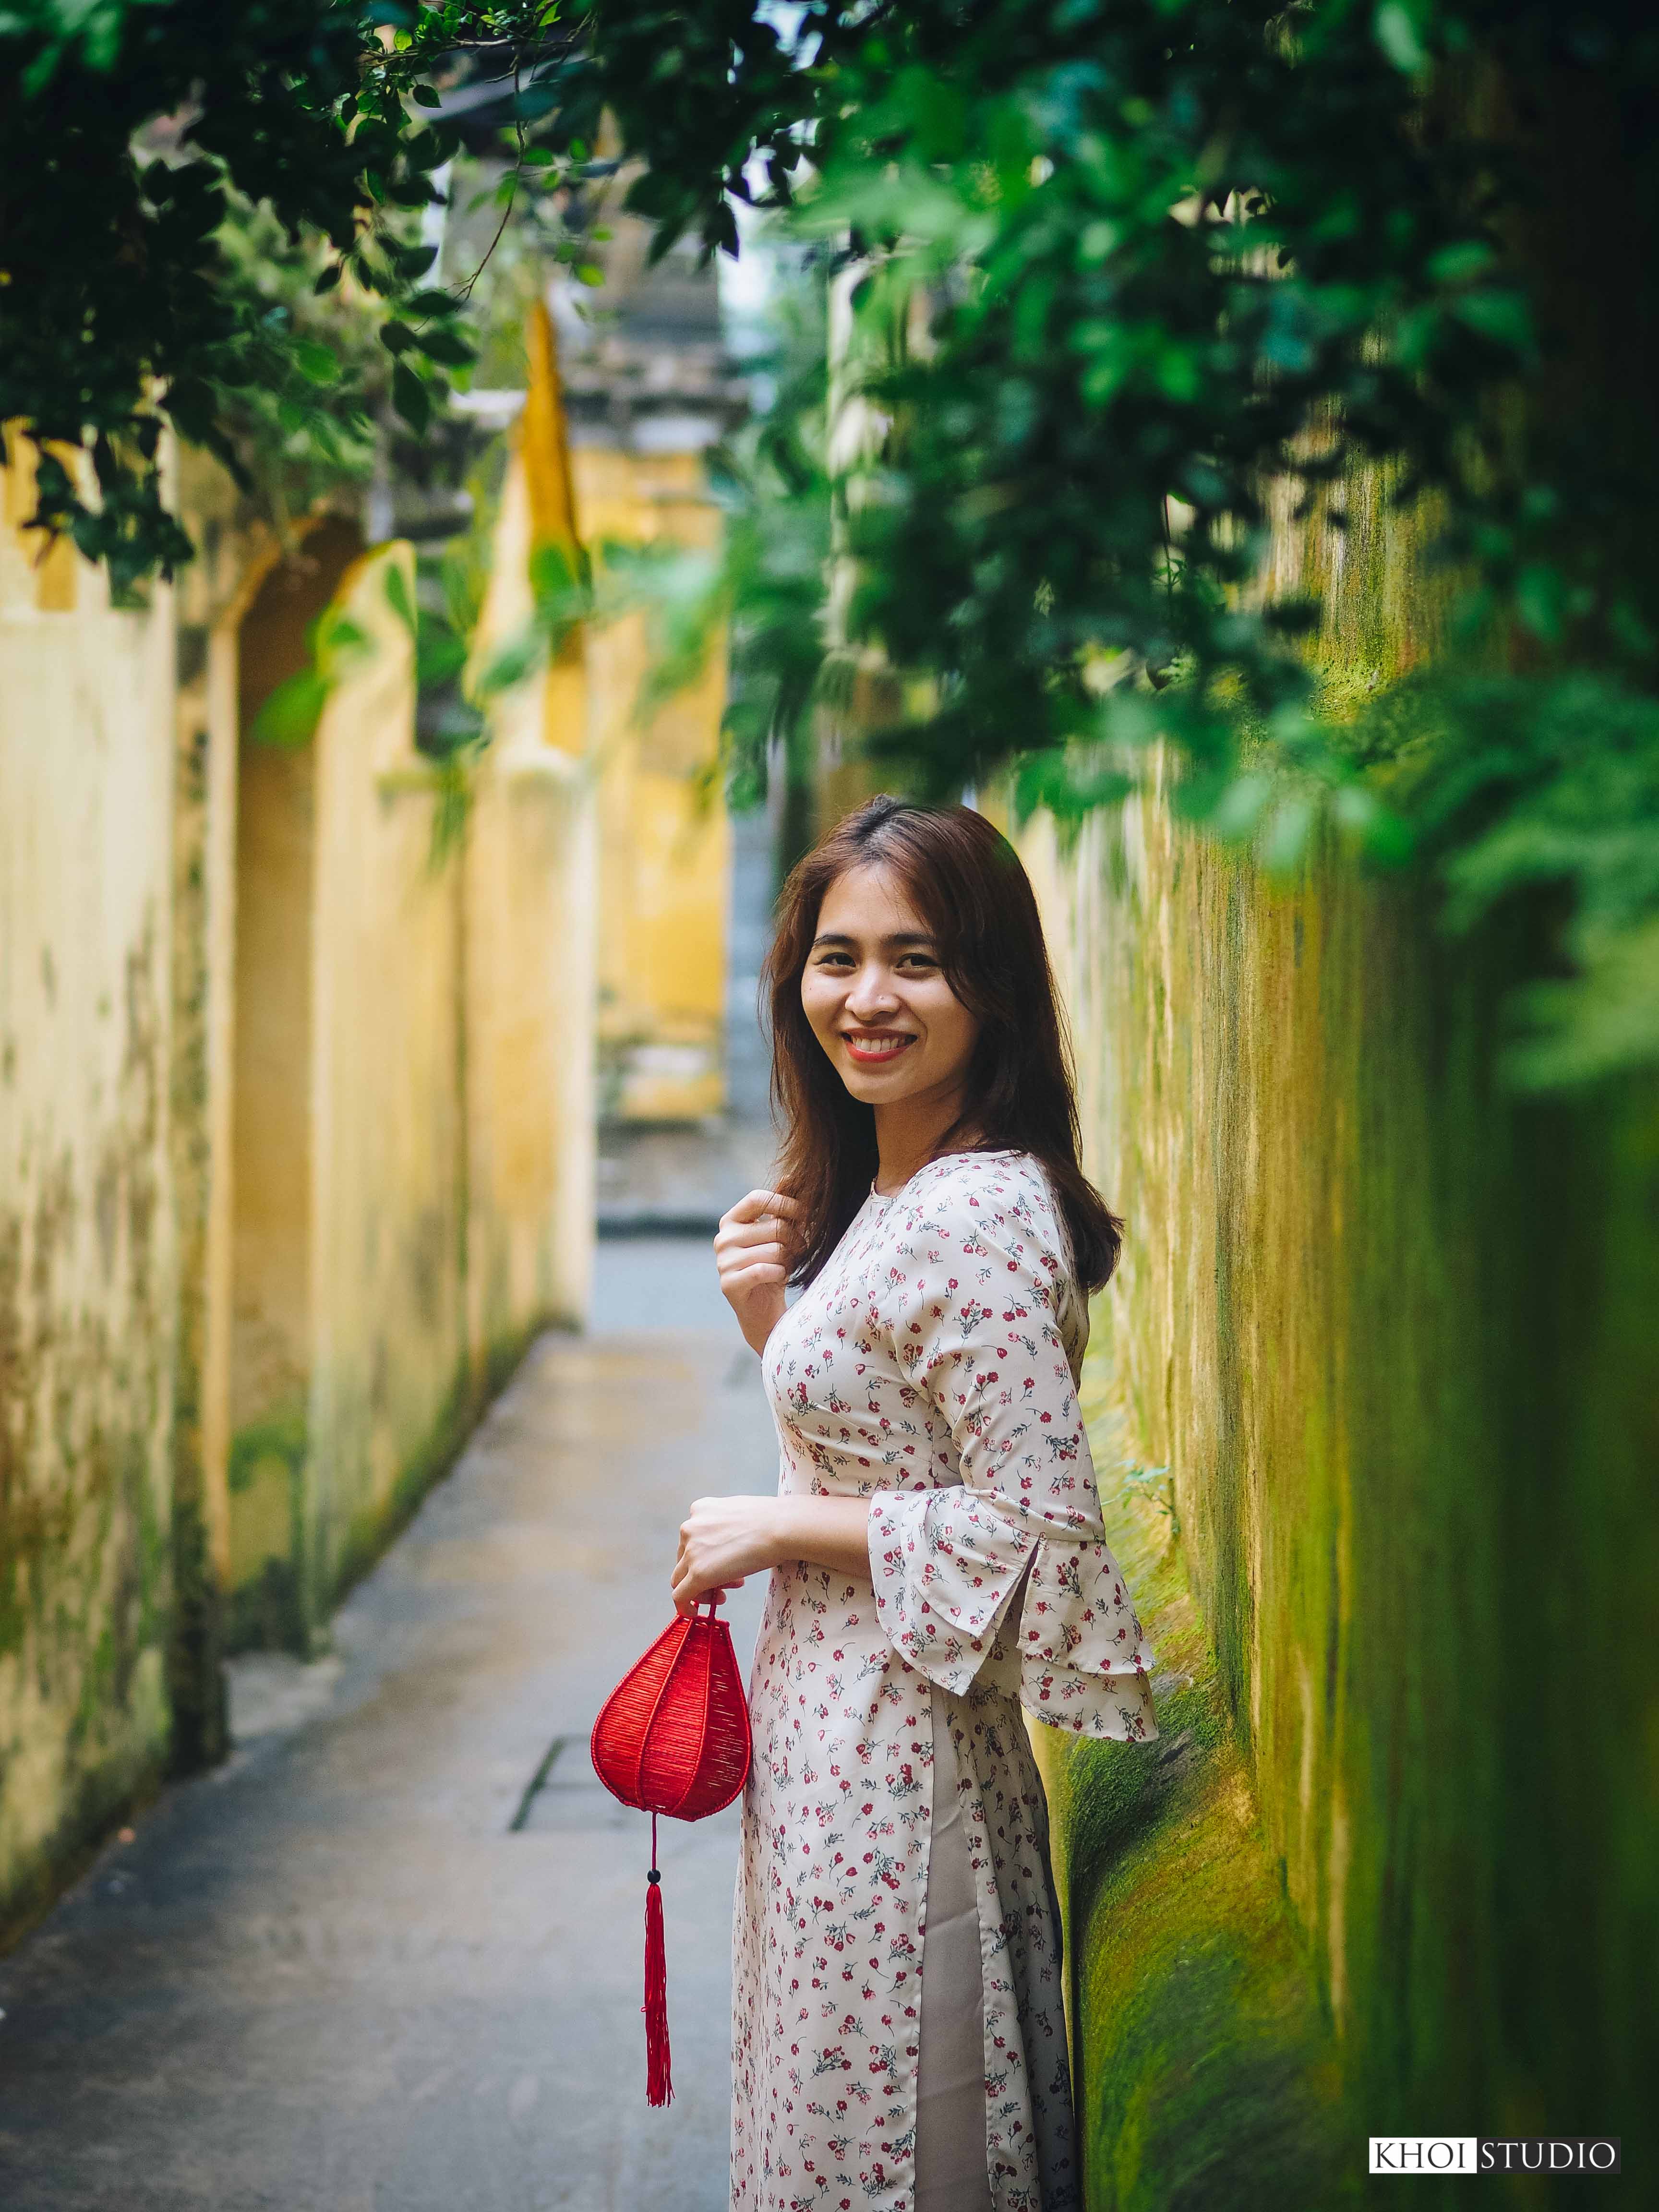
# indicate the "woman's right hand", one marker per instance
pixel 751 1251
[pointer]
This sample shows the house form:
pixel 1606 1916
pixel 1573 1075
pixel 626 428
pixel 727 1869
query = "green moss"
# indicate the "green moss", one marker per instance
pixel 266 1473
pixel 1390 1328
pixel 196 1683
pixel 1205 2066
pixel 282 1437
pixel 100 1798
pixel 195 1689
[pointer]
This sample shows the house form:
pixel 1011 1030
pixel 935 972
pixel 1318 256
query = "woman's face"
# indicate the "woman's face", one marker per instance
pixel 877 997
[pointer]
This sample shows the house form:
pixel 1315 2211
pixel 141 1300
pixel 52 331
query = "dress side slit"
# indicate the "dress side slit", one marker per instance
pixel 952 2165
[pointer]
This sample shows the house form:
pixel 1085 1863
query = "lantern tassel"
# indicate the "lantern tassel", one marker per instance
pixel 658 2072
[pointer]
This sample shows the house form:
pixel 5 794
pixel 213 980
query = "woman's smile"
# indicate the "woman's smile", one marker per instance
pixel 875 1048
pixel 876 997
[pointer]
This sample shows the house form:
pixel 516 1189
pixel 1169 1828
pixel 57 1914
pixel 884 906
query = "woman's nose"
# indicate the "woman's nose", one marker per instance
pixel 871 994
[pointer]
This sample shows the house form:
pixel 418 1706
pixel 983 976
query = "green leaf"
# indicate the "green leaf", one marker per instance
pixel 317 364
pixel 1502 316
pixel 448 347
pixel 410 398
pixel 1237 812
pixel 1396 32
pixel 1540 600
pixel 1458 264
pixel 425 97
pixel 397 599
pixel 1283 839
pixel 508 666
pixel 443 654
pixel 398 337
pixel 290 716
pixel 553 574
pixel 337 642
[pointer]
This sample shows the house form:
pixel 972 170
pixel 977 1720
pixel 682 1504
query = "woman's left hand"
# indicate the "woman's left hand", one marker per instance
pixel 722 1541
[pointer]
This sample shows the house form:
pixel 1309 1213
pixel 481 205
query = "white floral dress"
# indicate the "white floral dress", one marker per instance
pixel 931 1368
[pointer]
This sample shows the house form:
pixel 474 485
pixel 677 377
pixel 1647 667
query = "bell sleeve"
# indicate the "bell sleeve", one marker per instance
pixel 1011 1541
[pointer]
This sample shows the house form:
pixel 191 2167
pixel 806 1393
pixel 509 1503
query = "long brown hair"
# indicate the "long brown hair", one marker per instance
pixel 965 880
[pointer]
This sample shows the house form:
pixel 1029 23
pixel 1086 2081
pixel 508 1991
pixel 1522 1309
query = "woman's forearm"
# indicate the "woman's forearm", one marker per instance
pixel 725 1540
pixel 826 1532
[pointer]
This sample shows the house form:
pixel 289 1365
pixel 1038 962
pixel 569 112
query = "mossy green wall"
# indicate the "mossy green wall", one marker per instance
pixel 1392 1333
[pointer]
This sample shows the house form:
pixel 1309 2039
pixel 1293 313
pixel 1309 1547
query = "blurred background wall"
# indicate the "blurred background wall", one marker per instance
pixel 88 1240
pixel 290 1173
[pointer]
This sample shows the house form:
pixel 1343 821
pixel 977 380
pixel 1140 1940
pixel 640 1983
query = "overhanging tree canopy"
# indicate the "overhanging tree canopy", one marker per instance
pixel 1162 255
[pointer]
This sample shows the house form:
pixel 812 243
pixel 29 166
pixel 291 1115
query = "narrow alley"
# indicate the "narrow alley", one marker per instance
pixel 390 1955
pixel 1099 559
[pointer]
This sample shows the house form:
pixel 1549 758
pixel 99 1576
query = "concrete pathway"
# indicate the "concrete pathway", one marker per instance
pixel 370 1965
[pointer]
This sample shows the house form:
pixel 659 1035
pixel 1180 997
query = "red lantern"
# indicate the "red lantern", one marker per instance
pixel 673 1738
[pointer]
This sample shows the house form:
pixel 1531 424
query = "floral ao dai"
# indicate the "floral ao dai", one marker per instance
pixel 931 1368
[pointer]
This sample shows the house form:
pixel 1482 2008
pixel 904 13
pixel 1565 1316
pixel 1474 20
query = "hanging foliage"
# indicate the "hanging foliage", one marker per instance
pixel 131 133
pixel 1132 281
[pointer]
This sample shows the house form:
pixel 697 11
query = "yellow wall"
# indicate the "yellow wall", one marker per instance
pixel 87 1256
pixel 403 1217
pixel 530 934
pixel 533 926
pixel 664 838
pixel 236 552
pixel 296 1133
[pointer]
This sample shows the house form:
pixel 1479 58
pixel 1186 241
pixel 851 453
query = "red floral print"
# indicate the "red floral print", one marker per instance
pixel 931 1368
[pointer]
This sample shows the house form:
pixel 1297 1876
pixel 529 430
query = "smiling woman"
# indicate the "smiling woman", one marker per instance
pixel 896 1034
pixel 936 1549
pixel 919 922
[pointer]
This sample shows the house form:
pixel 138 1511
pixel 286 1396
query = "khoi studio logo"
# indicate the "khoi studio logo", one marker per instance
pixel 1476 2154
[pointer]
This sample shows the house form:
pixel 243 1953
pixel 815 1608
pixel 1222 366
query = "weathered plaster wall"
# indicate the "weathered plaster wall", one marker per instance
pixel 664 837
pixel 1390 1332
pixel 296 1138
pixel 533 906
pixel 273 1136
pixel 529 925
pixel 86 1246
pixel 412 1197
pixel 235 552
pixel 390 1381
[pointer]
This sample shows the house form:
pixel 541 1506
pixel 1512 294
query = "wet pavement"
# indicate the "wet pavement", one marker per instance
pixel 372 1965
